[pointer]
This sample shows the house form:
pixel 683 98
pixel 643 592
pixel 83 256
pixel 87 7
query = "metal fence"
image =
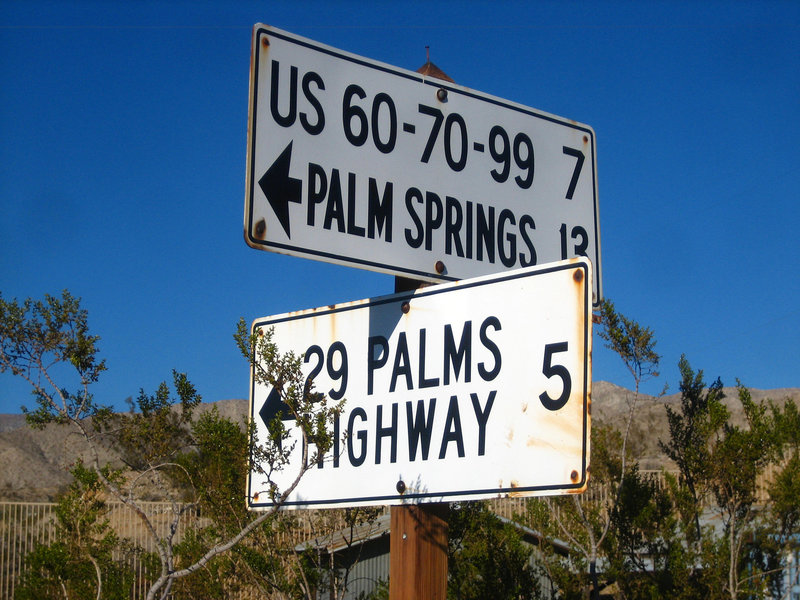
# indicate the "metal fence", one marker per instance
pixel 24 525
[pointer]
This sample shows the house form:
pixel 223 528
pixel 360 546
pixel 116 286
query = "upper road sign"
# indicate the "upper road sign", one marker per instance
pixel 360 163
pixel 466 390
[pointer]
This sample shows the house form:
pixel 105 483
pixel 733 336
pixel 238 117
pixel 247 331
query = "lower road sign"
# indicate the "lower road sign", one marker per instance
pixel 465 390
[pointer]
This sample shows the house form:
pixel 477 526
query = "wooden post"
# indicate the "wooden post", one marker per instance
pixel 418 552
pixel 418 538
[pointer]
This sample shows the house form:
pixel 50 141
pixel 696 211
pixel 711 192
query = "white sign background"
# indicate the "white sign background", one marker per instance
pixel 462 183
pixel 530 337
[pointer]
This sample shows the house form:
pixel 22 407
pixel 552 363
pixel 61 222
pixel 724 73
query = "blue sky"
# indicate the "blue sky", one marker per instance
pixel 123 130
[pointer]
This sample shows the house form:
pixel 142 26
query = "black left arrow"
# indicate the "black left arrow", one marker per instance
pixel 275 407
pixel 280 189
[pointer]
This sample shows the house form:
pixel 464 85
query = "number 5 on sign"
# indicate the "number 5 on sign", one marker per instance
pixel 551 370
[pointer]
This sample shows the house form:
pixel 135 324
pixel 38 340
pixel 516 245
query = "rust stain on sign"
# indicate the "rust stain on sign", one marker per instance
pixel 261 229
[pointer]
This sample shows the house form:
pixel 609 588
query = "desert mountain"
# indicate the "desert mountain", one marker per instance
pixel 35 463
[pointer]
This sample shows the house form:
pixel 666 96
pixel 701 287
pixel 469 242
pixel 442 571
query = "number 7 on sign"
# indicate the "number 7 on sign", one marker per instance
pixel 576 173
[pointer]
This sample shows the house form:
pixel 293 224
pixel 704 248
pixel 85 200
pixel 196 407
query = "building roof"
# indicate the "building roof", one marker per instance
pixel 348 537
pixel 431 70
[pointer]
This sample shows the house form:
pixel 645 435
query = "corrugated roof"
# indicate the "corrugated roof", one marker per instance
pixel 364 532
pixel 347 537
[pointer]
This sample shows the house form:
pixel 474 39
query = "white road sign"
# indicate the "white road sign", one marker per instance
pixel 360 163
pixel 465 390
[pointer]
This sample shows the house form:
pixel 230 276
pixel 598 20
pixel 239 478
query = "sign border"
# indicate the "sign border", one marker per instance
pixel 410 498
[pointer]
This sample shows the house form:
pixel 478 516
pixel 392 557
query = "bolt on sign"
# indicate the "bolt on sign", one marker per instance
pixel 356 162
pixel 464 390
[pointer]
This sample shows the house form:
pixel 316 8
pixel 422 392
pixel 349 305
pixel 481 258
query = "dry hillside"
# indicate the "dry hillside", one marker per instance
pixel 35 463
pixel 611 406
